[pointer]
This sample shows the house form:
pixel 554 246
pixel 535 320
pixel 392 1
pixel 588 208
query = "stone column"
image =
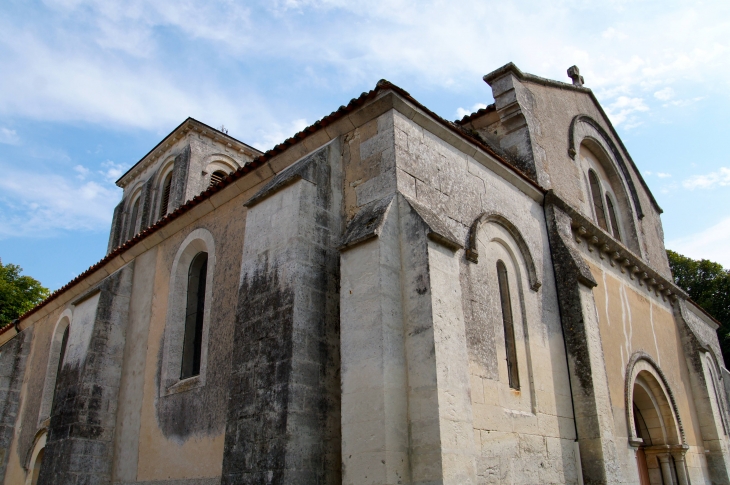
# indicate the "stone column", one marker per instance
pixel 83 418
pixel 666 466
pixel 406 405
pixel 680 465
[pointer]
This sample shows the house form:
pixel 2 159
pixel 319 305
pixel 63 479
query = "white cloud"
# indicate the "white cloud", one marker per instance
pixel 663 175
pixel 82 172
pixel 720 178
pixel 461 112
pixel 9 137
pixel 664 94
pixel 276 133
pixel 125 63
pixel 712 244
pixel 41 204
pixel 112 171
pixel 623 109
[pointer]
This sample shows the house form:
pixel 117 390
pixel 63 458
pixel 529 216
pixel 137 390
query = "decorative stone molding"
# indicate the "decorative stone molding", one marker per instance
pixel 598 240
pixel 574 143
pixel 472 253
pixel 187 126
pixel 629 396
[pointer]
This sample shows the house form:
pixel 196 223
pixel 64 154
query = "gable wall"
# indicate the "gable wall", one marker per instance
pixel 552 112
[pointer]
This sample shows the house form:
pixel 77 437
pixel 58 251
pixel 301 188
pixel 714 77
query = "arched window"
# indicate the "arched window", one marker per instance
pixel 509 328
pixel 597 197
pixel 217 177
pixel 165 200
pixel 612 217
pixel 56 358
pixel 133 220
pixel 195 308
pixel 187 325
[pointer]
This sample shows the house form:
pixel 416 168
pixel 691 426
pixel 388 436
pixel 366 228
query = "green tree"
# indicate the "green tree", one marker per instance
pixel 708 284
pixel 18 293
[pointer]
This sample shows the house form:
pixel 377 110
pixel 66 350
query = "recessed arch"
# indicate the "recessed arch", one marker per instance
pixel 647 386
pixel 584 127
pixel 35 455
pixel 217 167
pixel 220 161
pixel 55 353
pixel 472 253
pixel 198 241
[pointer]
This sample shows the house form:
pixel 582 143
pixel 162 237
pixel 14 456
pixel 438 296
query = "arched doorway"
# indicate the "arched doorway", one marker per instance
pixel 655 429
pixel 35 460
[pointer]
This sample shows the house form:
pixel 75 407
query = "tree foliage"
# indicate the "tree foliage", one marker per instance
pixel 708 284
pixel 18 293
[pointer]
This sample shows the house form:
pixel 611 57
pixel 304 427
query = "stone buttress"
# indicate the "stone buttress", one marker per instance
pixel 83 419
pixel 284 402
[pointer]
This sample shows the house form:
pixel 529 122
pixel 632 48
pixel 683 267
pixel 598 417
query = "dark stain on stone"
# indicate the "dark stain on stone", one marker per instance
pixel 83 416
pixel 13 358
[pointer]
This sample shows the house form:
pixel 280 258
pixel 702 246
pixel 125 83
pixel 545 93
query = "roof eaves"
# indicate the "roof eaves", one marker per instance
pixel 354 103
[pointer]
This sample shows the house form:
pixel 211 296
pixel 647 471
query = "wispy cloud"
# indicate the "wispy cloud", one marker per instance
pixel 721 178
pixel 8 136
pixel 712 244
pixel 623 109
pixel 41 204
pixel 461 112
pixel 664 94
pixel 98 61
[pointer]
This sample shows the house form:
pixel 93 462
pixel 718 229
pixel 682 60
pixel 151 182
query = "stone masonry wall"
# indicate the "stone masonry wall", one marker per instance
pixel 79 447
pixel 518 444
pixel 284 404
pixel 13 357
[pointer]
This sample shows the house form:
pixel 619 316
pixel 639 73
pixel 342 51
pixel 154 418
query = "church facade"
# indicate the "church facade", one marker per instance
pixel 384 298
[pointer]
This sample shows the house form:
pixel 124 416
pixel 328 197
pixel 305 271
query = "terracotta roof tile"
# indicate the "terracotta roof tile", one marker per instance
pixel 355 103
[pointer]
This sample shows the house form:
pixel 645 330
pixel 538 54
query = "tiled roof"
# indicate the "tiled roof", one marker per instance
pixel 482 111
pixel 355 103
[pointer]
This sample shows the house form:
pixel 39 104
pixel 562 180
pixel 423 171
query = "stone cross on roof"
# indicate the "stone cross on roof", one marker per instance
pixel 574 74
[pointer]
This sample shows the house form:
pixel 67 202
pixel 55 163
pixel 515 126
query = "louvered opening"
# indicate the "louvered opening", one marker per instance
pixel 216 177
pixel 165 195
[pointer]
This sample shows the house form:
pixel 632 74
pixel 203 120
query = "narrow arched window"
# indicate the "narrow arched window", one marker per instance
pixel 133 219
pixel 597 199
pixel 217 177
pixel 62 355
pixel 165 202
pixel 612 217
pixel 509 328
pixel 193 338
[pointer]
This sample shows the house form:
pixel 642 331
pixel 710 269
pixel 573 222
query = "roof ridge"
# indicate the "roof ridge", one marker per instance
pixel 382 85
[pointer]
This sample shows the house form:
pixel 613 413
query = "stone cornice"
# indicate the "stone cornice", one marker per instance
pixel 187 126
pixel 607 248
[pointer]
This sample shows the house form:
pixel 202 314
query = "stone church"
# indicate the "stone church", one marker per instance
pixel 384 298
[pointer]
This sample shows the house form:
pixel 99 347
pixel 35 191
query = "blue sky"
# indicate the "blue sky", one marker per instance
pixel 87 87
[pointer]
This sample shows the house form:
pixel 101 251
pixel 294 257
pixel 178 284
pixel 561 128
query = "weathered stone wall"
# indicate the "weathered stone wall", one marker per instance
pixel 13 358
pixel 83 419
pixel 529 436
pixel 284 404
pixel 181 434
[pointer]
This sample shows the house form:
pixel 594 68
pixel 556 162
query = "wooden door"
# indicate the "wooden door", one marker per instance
pixel 643 467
